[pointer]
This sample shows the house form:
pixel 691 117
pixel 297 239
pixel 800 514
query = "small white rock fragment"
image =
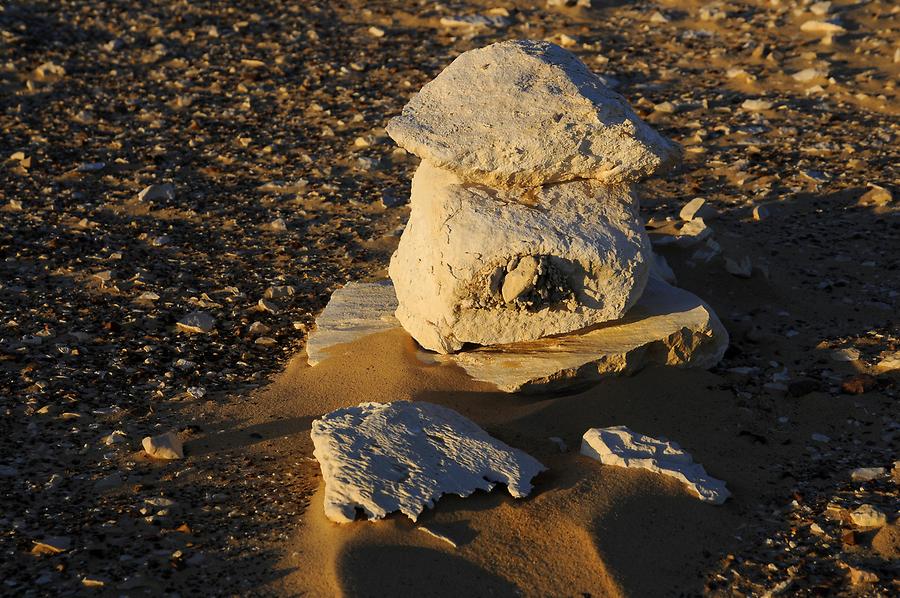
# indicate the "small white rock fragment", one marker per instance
pixel 868 516
pixel 820 437
pixel 279 292
pixel 267 306
pixel 164 446
pixel 257 329
pixel 889 362
pixel 278 225
pixel 621 447
pixel 49 69
pixel 197 322
pixel 385 457
pixel 157 192
pixel 866 474
pixel 876 196
pixel 742 268
pixel 148 296
pixel 51 545
pixel 196 392
pixel 753 105
pixel 810 74
pixel 691 233
pixel 848 354
pixel 822 27
pixel 115 437
pixel 820 9
pixel 861 577
pixel 438 535
pixel 697 208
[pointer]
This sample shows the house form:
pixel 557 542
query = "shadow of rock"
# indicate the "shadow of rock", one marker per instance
pixel 414 571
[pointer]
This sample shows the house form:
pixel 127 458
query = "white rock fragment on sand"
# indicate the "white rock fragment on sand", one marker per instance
pixel 403 456
pixel 197 322
pixel 752 105
pixel 355 311
pixel 810 74
pixel 820 8
pixel 846 354
pixel 760 213
pixel 49 70
pixel 822 27
pixel 620 446
pixel 868 516
pixel 164 446
pixel 876 196
pixel 551 120
pixel 157 192
pixel 438 535
pixel 668 326
pixel 866 474
pixel 115 437
pixel 480 266
pixel 697 208
pixel 690 233
pixel 889 362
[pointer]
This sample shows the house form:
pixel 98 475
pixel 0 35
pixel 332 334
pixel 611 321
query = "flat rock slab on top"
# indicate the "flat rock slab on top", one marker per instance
pixel 621 447
pixel 668 326
pixel 527 113
pixel 403 456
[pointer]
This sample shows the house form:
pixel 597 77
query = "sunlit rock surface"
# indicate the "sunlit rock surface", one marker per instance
pixel 478 265
pixel 403 456
pixel 621 447
pixel 525 113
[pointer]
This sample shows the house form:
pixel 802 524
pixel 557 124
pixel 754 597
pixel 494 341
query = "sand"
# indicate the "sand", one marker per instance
pixel 586 529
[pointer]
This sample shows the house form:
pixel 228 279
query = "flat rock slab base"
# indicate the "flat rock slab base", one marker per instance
pixel 668 326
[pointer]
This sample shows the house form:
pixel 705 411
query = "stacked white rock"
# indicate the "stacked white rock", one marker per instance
pixel 523 223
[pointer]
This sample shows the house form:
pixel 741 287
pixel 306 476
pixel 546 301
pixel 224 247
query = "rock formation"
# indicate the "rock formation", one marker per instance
pixel 403 456
pixel 523 222
pixel 479 265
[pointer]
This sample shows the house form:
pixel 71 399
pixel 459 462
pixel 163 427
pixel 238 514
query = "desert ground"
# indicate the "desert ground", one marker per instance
pixel 267 121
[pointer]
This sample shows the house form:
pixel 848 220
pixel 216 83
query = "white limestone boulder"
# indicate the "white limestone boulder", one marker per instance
pixel 403 456
pixel 527 113
pixel 620 446
pixel 477 265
